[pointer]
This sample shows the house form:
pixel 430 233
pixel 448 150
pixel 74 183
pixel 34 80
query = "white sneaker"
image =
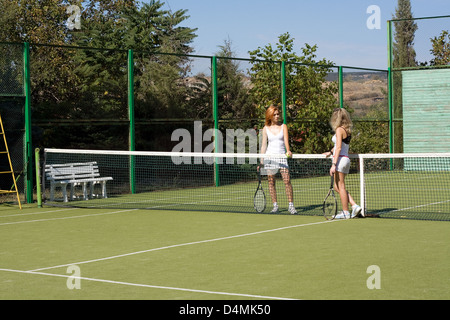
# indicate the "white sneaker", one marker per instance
pixel 342 215
pixel 274 210
pixel 356 211
pixel 292 210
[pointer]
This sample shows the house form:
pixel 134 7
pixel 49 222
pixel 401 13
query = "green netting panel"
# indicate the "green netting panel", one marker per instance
pixel 11 69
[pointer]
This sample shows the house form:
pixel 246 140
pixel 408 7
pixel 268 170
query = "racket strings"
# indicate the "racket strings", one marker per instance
pixel 260 201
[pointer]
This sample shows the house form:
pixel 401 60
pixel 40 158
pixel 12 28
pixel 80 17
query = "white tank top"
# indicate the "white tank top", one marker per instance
pixel 344 147
pixel 275 142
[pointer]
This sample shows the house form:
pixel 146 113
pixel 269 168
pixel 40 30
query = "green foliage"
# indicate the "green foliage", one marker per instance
pixel 79 95
pixel 403 48
pixel 309 98
pixel 233 97
pixel 441 49
pixel 83 87
pixel 369 135
pixel 404 55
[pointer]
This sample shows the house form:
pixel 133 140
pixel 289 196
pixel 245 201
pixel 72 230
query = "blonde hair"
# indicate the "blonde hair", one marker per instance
pixel 269 114
pixel 341 118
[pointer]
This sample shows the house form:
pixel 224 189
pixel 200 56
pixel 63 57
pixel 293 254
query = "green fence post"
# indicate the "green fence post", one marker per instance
pixel 131 142
pixel 28 143
pixel 283 91
pixel 341 87
pixel 390 89
pixel 391 124
pixel 215 104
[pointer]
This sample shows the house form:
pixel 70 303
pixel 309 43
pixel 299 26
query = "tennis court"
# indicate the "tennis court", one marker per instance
pixel 200 255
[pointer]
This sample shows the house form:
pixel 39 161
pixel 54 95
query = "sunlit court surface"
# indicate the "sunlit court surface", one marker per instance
pixel 67 253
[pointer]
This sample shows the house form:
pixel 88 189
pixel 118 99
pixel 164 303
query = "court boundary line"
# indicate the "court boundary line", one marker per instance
pixel 183 245
pixel 147 285
pixel 15 215
pixel 65 218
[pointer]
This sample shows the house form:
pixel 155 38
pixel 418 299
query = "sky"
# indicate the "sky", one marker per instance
pixel 338 27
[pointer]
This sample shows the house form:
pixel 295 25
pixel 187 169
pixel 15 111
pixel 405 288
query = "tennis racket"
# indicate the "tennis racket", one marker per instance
pixel 259 200
pixel 330 203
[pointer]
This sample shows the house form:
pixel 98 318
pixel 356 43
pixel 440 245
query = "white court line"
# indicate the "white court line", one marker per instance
pixel 65 218
pixel 183 244
pixel 414 207
pixel 147 285
pixel 37 212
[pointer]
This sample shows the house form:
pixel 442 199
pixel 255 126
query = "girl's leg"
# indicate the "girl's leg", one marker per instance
pixel 339 186
pixel 288 184
pixel 272 189
pixel 289 191
pixel 346 198
pixel 351 200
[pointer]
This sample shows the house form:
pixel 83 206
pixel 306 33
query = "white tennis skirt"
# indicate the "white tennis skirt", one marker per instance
pixel 343 165
pixel 274 164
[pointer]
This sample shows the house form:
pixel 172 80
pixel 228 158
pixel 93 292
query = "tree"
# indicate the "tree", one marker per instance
pixel 235 107
pixel 35 21
pixel 88 86
pixel 404 55
pixel 234 100
pixel 403 47
pixel 310 99
pixel 441 49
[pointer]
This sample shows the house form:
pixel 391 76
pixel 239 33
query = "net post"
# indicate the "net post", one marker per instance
pixel 361 183
pixel 38 177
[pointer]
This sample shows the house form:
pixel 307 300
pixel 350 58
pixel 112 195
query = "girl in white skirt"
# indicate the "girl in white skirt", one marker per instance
pixel 276 141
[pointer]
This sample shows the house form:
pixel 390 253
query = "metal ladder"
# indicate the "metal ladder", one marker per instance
pixel 11 171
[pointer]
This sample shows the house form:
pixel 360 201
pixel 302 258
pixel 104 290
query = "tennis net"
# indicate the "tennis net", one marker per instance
pixel 413 186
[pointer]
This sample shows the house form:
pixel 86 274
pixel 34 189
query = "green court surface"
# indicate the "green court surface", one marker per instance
pixel 67 253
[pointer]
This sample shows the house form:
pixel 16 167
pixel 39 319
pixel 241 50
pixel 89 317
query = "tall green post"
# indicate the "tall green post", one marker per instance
pixel 390 89
pixel 215 104
pixel 28 143
pixel 132 146
pixel 38 177
pixel 341 87
pixel 391 115
pixel 283 91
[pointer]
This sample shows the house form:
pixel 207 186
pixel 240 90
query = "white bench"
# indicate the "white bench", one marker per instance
pixel 75 174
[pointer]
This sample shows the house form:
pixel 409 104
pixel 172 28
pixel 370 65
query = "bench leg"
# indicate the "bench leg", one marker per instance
pixel 91 190
pixel 52 191
pixel 72 187
pixel 85 196
pixel 64 191
pixel 104 189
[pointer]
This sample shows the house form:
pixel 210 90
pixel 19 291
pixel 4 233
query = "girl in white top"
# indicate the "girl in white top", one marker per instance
pixel 342 126
pixel 276 141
